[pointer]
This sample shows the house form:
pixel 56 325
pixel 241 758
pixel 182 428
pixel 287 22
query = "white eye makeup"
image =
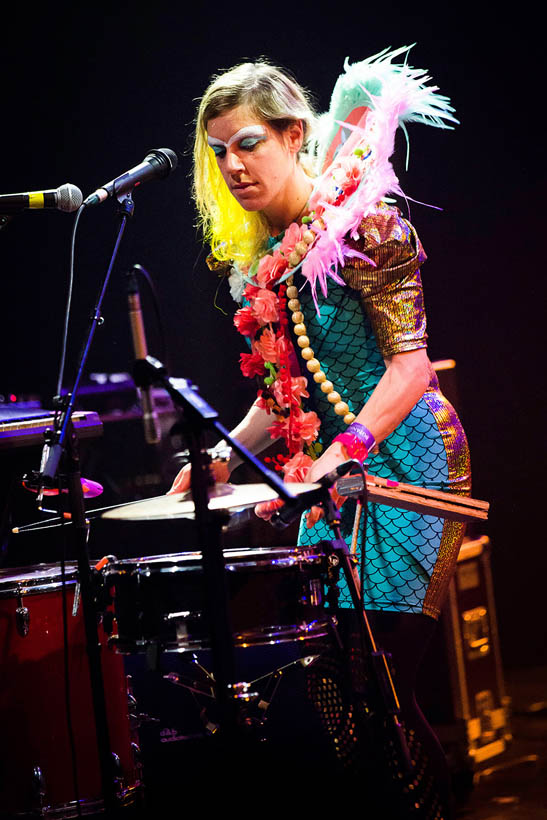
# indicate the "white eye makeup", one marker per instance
pixel 248 137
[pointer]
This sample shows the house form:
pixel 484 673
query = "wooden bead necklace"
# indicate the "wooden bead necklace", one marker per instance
pixel 340 407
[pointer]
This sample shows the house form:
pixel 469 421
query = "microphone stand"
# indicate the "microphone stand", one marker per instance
pixel 198 416
pixel 338 554
pixel 61 448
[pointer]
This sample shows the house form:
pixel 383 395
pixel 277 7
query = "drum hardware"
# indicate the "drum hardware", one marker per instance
pixel 315 596
pixel 193 685
pixel 136 718
pixel 38 788
pixel 258 693
pixel 242 691
pixel 22 616
pixel 76 602
pixel 170 615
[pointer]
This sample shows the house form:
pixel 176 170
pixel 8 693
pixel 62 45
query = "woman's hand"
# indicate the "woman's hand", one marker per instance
pixel 183 480
pixel 331 458
pixel 251 432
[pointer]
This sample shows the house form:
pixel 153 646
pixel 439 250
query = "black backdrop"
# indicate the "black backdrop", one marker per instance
pixel 88 89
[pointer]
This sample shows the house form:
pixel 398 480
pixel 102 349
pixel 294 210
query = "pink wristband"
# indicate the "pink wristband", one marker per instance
pixel 357 440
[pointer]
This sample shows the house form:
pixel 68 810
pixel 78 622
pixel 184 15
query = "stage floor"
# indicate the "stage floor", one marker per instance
pixel 513 785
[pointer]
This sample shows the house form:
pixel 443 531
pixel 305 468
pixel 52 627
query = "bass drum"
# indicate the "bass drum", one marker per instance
pixel 275 596
pixel 40 773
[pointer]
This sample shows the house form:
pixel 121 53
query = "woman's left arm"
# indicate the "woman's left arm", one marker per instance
pixel 404 382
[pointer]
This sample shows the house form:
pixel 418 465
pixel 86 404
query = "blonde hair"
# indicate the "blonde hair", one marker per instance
pixel 274 97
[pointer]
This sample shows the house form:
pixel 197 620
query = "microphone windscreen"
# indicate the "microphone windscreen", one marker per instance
pixel 69 197
pixel 167 160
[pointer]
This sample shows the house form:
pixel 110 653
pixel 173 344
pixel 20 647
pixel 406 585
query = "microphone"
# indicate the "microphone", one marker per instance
pixel 156 165
pixel 152 431
pixel 65 198
pixel 293 509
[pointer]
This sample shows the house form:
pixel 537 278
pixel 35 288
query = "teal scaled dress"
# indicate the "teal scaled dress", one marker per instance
pixel 409 557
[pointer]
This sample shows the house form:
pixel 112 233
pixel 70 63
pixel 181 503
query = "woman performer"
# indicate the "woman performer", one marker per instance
pixel 343 367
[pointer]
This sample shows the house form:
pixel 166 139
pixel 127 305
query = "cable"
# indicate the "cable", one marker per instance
pixel 363 528
pixel 156 304
pixel 68 303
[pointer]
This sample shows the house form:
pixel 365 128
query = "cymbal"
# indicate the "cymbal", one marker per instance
pixel 181 505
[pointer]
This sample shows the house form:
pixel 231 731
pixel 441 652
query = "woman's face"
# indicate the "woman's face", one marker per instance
pixel 256 161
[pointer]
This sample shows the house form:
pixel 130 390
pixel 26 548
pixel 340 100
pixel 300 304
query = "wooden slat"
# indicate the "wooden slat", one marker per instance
pixel 416 499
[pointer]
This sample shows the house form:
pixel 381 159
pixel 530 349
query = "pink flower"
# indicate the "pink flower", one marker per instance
pixel 293 234
pixel 297 429
pixel 270 268
pixel 251 364
pixel 266 346
pixel 297 391
pixel 264 306
pixel 297 468
pixel 245 321
pixel 348 173
pixel 308 424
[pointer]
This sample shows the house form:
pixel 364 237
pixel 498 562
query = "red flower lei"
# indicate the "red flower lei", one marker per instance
pixel 272 354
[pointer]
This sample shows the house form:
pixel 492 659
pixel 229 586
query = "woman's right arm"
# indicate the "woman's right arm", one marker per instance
pixel 251 432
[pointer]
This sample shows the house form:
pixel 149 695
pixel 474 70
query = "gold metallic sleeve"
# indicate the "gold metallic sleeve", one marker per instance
pixel 389 285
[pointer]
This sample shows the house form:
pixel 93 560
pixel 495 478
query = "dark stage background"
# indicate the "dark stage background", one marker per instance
pixel 88 89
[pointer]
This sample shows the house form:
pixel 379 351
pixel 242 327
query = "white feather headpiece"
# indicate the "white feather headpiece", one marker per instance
pixel 352 146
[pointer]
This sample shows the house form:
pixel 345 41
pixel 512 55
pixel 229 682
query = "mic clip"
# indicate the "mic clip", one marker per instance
pixel 126 205
pixel 291 510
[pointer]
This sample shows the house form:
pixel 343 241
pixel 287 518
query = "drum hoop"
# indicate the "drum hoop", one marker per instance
pixel 19 585
pixel 189 562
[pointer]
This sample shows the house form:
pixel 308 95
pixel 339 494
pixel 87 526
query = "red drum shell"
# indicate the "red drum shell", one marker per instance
pixel 32 699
